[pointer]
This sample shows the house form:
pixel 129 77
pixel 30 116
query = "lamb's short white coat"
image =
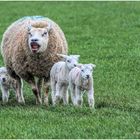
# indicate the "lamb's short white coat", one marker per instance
pixel 6 83
pixel 80 79
pixel 59 78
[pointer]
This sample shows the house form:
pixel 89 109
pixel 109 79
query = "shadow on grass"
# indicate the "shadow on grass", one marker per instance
pixel 117 106
pixel 68 109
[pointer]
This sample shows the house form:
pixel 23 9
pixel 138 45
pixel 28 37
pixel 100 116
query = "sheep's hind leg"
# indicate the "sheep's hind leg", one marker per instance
pixel 36 91
pixel 31 80
pixel 19 85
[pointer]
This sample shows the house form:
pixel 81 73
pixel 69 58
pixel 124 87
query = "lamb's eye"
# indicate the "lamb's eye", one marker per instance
pixel 82 70
pixel 44 34
pixel 30 34
pixel 68 61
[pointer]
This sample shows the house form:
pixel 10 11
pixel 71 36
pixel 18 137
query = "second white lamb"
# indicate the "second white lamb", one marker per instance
pixel 80 79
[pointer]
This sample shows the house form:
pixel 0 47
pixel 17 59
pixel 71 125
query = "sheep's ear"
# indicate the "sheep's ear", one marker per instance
pixel 63 56
pixel 49 27
pixel 93 66
pixel 29 27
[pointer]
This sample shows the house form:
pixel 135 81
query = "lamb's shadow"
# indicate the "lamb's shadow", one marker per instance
pixel 101 105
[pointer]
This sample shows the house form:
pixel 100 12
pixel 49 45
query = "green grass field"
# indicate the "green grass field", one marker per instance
pixel 104 33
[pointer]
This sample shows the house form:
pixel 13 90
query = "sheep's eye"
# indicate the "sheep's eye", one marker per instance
pixel 45 33
pixel 30 34
pixel 82 70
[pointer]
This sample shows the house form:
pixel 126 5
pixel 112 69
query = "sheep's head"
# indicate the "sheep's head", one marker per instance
pixel 71 60
pixel 4 77
pixel 86 70
pixel 38 38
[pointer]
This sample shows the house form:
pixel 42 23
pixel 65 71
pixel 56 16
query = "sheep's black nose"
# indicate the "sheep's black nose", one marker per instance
pixel 3 79
pixel 34 40
pixel 87 76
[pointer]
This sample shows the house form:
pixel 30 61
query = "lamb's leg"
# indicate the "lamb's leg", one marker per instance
pixel 46 96
pixel 57 97
pixel 91 98
pixel 72 93
pixel 65 95
pixel 79 98
pixel 5 94
pixel 53 88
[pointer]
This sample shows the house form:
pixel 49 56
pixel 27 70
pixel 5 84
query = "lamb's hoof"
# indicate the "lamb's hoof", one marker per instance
pixel 46 102
pixel 57 99
pixel 91 106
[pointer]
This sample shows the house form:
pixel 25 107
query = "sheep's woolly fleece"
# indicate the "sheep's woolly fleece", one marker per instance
pixel 17 55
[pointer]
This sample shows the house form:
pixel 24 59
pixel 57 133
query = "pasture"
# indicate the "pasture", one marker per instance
pixel 103 33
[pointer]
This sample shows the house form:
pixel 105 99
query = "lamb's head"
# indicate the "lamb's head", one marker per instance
pixel 86 70
pixel 71 60
pixel 38 38
pixel 4 77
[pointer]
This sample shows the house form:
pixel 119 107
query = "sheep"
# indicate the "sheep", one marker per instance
pixel 80 79
pixel 59 77
pixel 6 83
pixel 29 47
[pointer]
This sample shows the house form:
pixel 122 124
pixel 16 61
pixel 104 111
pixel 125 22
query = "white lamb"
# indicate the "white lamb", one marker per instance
pixel 80 79
pixel 59 77
pixel 6 83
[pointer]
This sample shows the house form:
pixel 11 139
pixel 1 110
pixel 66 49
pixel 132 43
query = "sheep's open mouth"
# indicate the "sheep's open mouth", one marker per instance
pixel 35 46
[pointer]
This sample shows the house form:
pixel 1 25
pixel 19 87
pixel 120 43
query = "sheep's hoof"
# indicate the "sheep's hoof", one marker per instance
pixel 38 102
pixel 21 101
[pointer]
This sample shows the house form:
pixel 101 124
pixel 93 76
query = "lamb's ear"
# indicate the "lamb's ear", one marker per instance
pixel 79 65
pixel 29 27
pixel 49 27
pixel 76 57
pixel 93 66
pixel 63 56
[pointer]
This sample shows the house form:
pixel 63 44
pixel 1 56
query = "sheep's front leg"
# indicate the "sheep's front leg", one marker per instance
pixel 5 94
pixel 46 95
pixel 64 92
pixel 19 90
pixel 79 98
pixel 39 86
pixel 91 98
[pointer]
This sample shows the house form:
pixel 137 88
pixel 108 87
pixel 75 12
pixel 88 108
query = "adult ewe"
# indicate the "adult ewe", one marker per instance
pixel 29 47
